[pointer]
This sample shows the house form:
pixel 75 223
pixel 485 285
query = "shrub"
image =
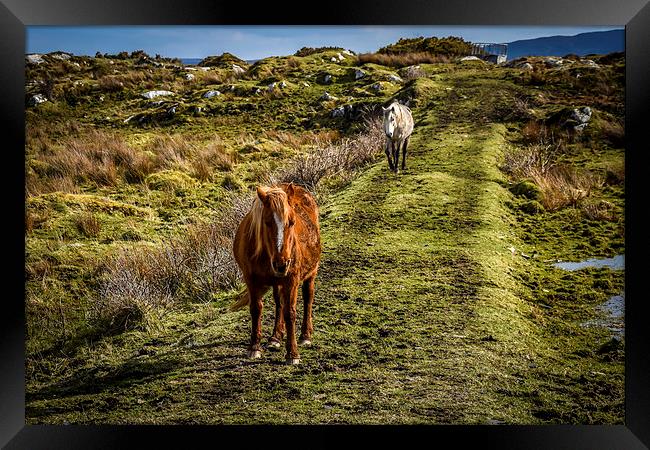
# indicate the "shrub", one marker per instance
pixel 449 46
pixel 401 59
pixel 560 185
pixel 306 51
pixel 337 159
pixel 140 284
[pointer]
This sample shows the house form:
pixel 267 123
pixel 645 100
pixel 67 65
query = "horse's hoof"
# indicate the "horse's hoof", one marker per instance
pixel 305 342
pixel 293 361
pixel 273 344
pixel 254 354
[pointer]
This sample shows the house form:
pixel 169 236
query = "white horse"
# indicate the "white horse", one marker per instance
pixel 398 126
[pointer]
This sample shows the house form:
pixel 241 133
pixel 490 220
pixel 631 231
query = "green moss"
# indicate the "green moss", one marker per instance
pixel 170 180
pixel 527 189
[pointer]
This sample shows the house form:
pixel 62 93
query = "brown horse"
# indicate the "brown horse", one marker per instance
pixel 278 245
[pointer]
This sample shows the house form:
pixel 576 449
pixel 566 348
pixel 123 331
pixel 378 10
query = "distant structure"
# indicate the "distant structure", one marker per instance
pixel 494 53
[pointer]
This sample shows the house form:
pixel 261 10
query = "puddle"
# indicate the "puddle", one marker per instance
pixel 615 263
pixel 614 312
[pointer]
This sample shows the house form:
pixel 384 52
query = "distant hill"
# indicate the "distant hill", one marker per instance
pixel 599 42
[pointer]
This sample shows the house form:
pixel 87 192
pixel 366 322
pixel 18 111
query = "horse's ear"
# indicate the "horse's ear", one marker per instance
pixel 261 194
pixel 290 190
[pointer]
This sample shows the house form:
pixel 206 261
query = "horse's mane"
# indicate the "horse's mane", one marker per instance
pixel 277 198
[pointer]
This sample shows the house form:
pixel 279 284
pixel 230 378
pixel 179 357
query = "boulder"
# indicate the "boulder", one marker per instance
pixel 153 94
pixel 553 61
pixel 34 59
pixel 345 111
pixel 376 87
pixel 471 58
pixel 327 97
pixel 526 66
pixel 282 84
pixel 271 86
pixel 589 63
pixel 61 56
pixel 188 76
pixel 358 74
pixel 211 94
pixel 394 78
pixel 238 69
pixel 334 59
pixel 37 100
pixel 338 112
pixel 327 79
pixel 348 52
pixel 582 116
pixel 340 57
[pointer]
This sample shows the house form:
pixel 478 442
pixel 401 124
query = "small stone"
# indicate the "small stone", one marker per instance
pixel 327 97
pixel 153 94
pixel 211 94
pixel 37 100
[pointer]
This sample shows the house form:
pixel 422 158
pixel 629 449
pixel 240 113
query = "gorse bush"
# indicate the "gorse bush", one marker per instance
pixel 449 46
pixel 306 51
pixel 402 59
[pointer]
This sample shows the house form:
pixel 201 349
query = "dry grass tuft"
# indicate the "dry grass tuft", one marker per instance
pixel 139 285
pixel 88 224
pixel 565 186
pixel 335 159
pixel 561 185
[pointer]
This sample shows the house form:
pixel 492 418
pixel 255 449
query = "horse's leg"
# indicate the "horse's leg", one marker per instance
pixel 396 157
pixel 256 305
pixel 388 151
pixel 278 329
pixel 404 145
pixel 308 299
pixel 289 296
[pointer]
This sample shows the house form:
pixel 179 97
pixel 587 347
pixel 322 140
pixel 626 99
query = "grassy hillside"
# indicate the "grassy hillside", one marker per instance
pixel 436 301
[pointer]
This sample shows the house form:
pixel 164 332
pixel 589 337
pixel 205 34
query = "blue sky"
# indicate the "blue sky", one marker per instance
pixel 255 42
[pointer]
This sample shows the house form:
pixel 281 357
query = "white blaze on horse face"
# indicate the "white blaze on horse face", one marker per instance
pixel 389 124
pixel 280 227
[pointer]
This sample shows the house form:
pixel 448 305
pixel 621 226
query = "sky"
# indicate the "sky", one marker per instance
pixel 256 42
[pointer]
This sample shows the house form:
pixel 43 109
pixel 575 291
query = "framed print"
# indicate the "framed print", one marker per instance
pixel 380 220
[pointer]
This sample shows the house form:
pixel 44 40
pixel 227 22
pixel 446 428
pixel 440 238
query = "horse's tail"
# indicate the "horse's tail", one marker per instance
pixel 242 301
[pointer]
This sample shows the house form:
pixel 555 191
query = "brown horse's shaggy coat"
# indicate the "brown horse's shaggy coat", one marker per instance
pixel 277 246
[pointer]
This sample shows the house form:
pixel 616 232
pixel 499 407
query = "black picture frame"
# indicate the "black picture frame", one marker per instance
pixel 16 15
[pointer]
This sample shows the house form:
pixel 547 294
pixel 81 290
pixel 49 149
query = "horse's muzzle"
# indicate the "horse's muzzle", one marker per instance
pixel 281 269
